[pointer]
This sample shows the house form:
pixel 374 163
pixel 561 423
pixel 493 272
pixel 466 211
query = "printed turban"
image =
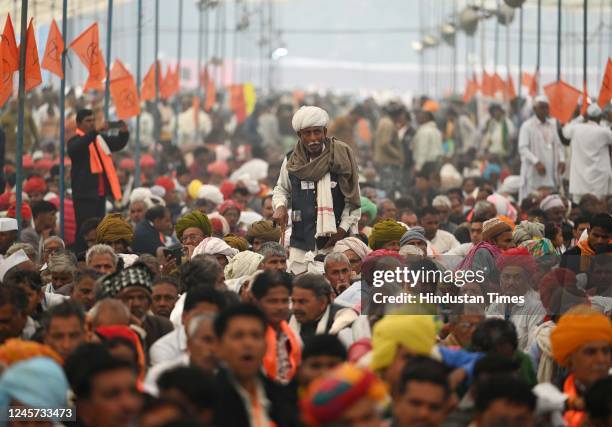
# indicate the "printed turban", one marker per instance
pixel 385 231
pixel 242 264
pixel 493 228
pixel 39 382
pixel 308 116
pixel 352 244
pixel 138 276
pixel 113 228
pixel 327 398
pixel 264 230
pixel 579 326
pixel 236 242
pixel 195 219
pixel 527 230
pixel 368 208
pixel 414 332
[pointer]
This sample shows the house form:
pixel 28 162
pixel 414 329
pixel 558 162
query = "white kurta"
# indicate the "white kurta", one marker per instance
pixel 426 144
pixel 539 142
pixel 590 168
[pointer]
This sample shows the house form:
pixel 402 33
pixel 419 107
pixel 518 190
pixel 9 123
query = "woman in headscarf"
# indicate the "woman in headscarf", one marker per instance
pixel 116 232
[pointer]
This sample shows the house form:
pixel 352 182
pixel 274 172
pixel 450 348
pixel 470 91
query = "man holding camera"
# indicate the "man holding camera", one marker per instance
pixel 93 173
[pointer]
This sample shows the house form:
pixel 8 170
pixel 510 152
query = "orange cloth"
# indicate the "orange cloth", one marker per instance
pixel 585 255
pixel 577 327
pixel 17 350
pixel 100 162
pixel 295 352
pixel 572 417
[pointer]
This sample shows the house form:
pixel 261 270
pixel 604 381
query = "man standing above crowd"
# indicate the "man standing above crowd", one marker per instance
pixel 319 181
pixel 93 174
pixel 542 155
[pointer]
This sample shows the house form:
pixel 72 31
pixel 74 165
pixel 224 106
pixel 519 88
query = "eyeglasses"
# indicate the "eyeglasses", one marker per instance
pixel 191 238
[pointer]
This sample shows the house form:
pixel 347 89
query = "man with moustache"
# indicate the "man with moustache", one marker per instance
pixel 319 182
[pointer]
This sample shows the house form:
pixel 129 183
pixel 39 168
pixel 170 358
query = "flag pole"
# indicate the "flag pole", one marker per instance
pixel 138 82
pixel 62 106
pixel 21 100
pixel 157 73
pixel 109 41
pixel 558 40
pixel 177 100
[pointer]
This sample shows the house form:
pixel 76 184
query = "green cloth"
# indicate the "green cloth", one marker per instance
pixel 114 228
pixel 193 219
pixel 385 231
pixel 369 208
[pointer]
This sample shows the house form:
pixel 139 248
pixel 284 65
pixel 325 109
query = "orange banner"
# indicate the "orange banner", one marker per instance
pixel 237 102
pixel 124 92
pixel 510 92
pixel 147 91
pixel 52 58
pixel 487 88
pixel 33 77
pixel 605 93
pixel 87 47
pixel 471 89
pixel 499 85
pixel 6 81
pixel 563 100
pixel 9 45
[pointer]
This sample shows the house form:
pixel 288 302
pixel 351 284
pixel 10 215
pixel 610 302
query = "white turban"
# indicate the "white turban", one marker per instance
pixel 552 201
pixel 353 244
pixel 593 110
pixel 210 193
pixel 541 99
pixel 214 246
pixel 141 194
pixel 244 263
pixel 441 201
pixel 256 168
pixel 307 117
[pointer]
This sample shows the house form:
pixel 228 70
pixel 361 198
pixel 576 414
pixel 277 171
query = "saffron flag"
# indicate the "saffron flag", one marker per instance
pixel 471 89
pixel 170 84
pixel 605 92
pixel 6 81
pixel 52 58
pixel 124 91
pixel 9 46
pixel 33 77
pixel 563 100
pixel 530 81
pixel 237 102
pixel 147 91
pixel 499 85
pixel 510 92
pixel 87 48
pixel 211 95
pixel 487 88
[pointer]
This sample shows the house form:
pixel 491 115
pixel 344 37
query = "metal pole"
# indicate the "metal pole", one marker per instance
pixel 109 42
pixel 496 43
pixel 558 40
pixel 455 51
pixel 520 54
pixel 157 72
pixel 539 44
pixel 138 82
pixel 584 45
pixel 62 107
pixel 200 35
pixel 21 97
pixel 177 100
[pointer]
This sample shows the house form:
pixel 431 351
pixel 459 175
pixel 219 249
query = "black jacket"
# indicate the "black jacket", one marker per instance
pixel 146 239
pixel 84 183
pixel 230 410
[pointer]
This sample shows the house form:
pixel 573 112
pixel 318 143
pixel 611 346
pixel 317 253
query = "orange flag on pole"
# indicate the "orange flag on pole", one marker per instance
pixel 585 99
pixel 510 92
pixel 487 88
pixel 9 45
pixel 87 47
pixel 6 81
pixel 124 91
pixel 605 92
pixel 563 100
pixel 531 83
pixel 32 67
pixel 471 88
pixel 52 58
pixel 237 102
pixel 147 91
pixel 165 84
pixel 499 85
pixel 211 95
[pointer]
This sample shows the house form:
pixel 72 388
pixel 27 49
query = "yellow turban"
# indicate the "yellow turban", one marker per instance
pixel 113 228
pixel 415 332
pixel 577 327
pixel 194 219
pixel 264 230
pixel 17 350
pixel 193 187
pixel 385 231
pixel 236 242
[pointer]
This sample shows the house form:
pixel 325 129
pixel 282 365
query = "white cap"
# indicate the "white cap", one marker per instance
pixel 541 99
pixel 12 261
pixel 593 110
pixel 8 224
pixel 210 193
pixel 158 190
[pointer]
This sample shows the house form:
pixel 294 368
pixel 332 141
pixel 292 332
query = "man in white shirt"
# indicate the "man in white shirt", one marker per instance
pixel 442 241
pixel 541 151
pixel 590 167
pixel 427 141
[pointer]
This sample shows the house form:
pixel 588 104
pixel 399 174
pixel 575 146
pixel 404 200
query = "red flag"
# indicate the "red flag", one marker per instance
pixel 52 58
pixel 499 85
pixel 510 91
pixel 87 47
pixel 237 103
pixel 9 44
pixel 471 89
pixel 585 99
pixel 563 100
pixel 124 92
pixel 487 88
pixel 605 93
pixel 147 91
pixel 32 68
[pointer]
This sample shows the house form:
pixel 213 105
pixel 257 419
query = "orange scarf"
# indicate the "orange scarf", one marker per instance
pixel 295 352
pixel 572 417
pixel 585 255
pixel 101 162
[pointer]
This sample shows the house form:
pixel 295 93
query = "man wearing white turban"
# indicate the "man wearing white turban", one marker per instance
pixel 541 151
pixel 319 182
pixel 590 170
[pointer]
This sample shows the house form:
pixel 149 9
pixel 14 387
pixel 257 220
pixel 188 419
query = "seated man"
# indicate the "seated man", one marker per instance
pixel 338 272
pixel 441 240
pixel 261 232
pixel 64 328
pixel 321 354
pixel 150 233
pixel 386 235
pixel 102 259
pixel 116 232
pixel 314 313
pixel 504 400
pixel 356 251
pixel 274 256
pixel 13 317
pixel 578 258
pixel 165 294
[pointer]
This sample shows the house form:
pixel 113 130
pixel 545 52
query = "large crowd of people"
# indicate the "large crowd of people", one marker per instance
pixel 328 261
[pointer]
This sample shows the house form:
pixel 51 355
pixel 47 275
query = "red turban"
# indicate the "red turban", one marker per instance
pixel 35 184
pixel 26 211
pixel 223 207
pixel 227 189
pixel 517 257
pixel 147 161
pixel 166 182
pixel 127 164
